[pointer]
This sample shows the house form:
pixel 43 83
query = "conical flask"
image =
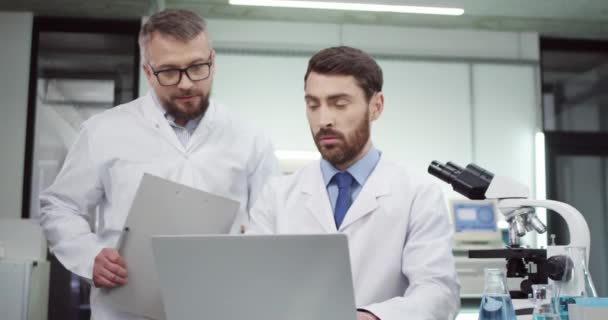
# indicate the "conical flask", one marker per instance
pixel 496 303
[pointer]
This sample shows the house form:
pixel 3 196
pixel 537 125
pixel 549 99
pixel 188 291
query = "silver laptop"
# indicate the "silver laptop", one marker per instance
pixel 270 277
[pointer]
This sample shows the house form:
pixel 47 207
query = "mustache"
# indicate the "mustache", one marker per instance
pixel 328 132
pixel 189 93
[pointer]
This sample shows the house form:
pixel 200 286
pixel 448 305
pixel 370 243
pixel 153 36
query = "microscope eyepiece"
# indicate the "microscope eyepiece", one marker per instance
pixel 472 181
pixel 454 167
pixel 480 172
pixel 443 172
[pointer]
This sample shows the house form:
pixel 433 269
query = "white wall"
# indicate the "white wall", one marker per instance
pixel 426 42
pixel 505 120
pixel 269 91
pixel 427 113
pixel 16 33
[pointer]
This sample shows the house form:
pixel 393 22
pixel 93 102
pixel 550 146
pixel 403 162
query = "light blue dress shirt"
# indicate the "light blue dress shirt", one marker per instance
pixel 360 170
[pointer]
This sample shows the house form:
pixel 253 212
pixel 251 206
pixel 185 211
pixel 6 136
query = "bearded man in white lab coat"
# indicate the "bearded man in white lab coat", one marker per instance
pixel 174 131
pixel 395 219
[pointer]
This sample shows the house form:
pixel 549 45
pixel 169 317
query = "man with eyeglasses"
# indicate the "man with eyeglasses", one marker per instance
pixel 175 132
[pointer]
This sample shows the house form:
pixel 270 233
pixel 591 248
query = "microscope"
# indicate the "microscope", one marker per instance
pixel 535 266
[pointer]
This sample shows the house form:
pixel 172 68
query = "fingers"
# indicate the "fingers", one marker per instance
pixel 113 276
pixel 116 269
pixel 112 256
pixel 115 257
pixel 104 277
pixel 109 270
pixel 102 282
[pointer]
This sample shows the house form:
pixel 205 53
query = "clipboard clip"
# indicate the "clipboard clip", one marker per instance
pixel 121 240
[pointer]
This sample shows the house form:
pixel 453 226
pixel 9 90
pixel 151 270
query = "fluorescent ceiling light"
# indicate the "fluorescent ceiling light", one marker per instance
pixel 350 6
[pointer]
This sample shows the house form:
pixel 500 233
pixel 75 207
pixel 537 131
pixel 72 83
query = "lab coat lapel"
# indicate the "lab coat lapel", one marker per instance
pixel 156 118
pixel 317 204
pixel 366 202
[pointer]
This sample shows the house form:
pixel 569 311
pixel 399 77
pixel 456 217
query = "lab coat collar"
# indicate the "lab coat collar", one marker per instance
pixel 153 113
pixel 318 203
pixel 366 202
pixel 202 132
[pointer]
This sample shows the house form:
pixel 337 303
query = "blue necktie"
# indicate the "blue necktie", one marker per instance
pixel 344 181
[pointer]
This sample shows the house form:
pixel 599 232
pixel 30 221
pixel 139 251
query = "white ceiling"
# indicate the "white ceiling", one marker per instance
pixel 577 18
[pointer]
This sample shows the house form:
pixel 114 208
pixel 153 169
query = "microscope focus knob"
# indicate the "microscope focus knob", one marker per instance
pixel 526 287
pixel 557 267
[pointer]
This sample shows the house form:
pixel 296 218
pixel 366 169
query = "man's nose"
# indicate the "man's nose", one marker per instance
pixel 326 117
pixel 185 82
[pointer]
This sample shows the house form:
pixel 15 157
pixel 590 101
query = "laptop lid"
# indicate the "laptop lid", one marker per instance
pixel 270 277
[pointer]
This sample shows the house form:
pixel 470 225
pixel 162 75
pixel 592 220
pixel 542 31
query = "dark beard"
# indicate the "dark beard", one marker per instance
pixel 193 113
pixel 340 154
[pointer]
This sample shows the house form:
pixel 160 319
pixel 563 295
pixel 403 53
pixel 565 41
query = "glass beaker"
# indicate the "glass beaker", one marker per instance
pixel 576 282
pixel 496 302
pixel 544 303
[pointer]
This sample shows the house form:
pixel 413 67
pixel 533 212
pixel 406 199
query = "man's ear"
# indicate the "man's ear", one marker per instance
pixel 376 106
pixel 147 72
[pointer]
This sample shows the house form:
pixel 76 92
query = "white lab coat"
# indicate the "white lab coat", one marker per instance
pixel 398 232
pixel 102 170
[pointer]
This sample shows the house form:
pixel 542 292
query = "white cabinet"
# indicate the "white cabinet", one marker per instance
pixel 24 289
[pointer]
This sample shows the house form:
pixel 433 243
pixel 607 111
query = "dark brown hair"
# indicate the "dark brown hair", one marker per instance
pixel 348 61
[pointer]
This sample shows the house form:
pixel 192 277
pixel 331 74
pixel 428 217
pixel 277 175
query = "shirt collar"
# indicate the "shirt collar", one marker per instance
pixel 360 170
pixel 190 125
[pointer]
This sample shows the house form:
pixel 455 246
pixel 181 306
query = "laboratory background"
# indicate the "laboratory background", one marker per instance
pixel 519 88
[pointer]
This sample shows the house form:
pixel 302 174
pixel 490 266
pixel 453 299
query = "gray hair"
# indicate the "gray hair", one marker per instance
pixel 180 24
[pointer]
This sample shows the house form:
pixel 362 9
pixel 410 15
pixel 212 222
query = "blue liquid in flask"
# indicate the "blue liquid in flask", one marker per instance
pixel 496 307
pixel 562 306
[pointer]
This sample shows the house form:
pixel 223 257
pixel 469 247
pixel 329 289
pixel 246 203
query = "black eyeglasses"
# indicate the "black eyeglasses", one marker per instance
pixel 173 76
